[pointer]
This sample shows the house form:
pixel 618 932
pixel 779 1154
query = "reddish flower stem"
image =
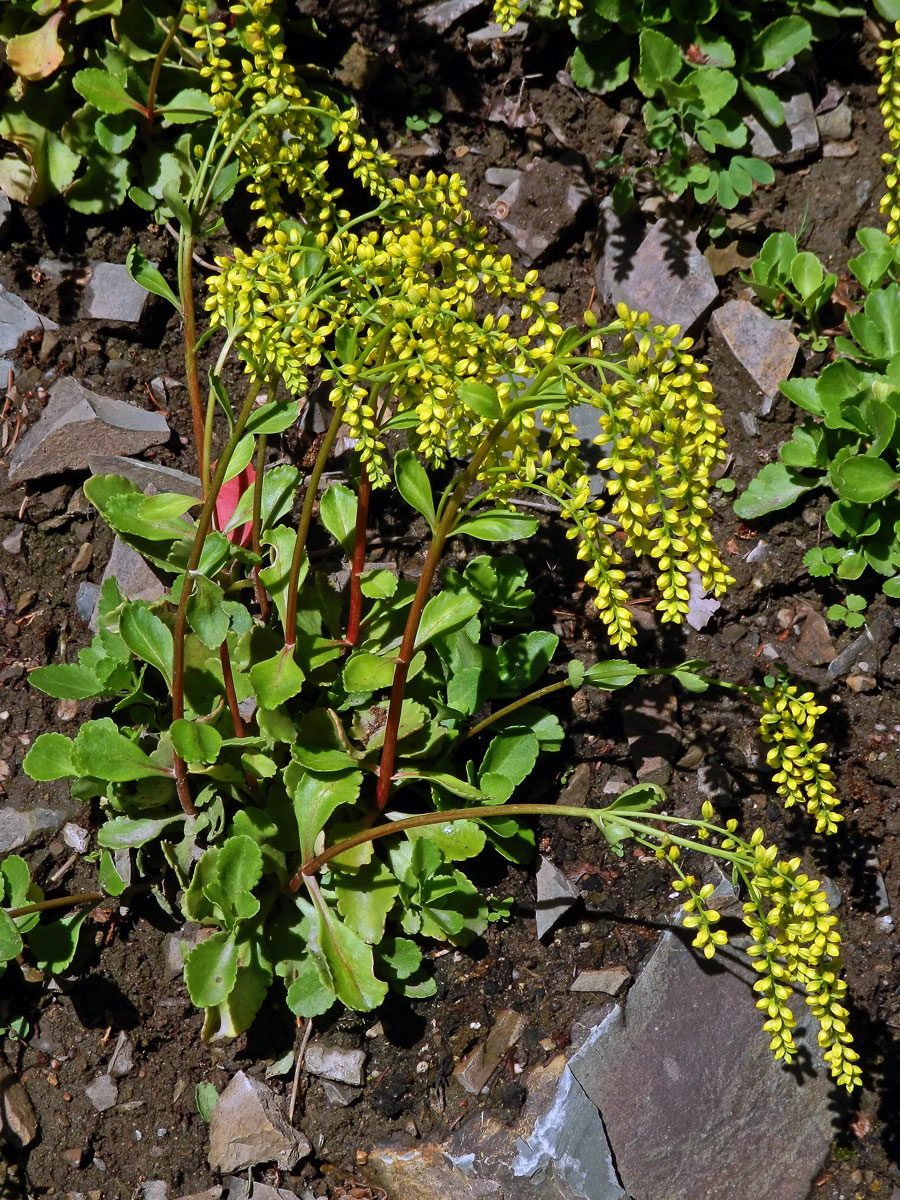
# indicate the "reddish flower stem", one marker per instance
pixel 358 561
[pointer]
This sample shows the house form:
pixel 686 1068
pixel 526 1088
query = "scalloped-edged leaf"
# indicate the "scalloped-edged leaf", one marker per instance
pixel 775 487
pixel 50 758
pixel 101 751
pixel 104 91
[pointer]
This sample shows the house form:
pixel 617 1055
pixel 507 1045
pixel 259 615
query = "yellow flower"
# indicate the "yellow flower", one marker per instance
pixel 801 776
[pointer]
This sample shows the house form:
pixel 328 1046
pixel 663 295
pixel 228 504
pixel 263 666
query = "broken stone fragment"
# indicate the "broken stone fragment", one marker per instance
pixel 236 1189
pixel 249 1125
pixel 836 125
pixel 556 1148
pixel 814 646
pixel 334 1062
pixel 667 277
pixel 20 828
pixel 18 1120
pixel 791 142
pixel 339 1095
pixel 78 423
pixel 545 201
pixel 477 1068
pixel 17 319
pixel 555 896
pixel 122 1060
pixel 112 295
pixel 609 980
pixel 445 13
pixel 764 347
pixel 103 1092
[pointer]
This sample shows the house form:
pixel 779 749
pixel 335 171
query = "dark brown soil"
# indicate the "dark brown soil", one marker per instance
pixel 119 980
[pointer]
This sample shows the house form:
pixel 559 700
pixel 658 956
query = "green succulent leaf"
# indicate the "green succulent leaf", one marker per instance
pixel 276 679
pixel 66 681
pixel 414 485
pixel 102 751
pixel 348 960
pixel 147 637
pixel 104 91
pixel 498 525
pixel 210 970
pixel 776 486
pixel 864 479
pixel 195 742
pixel 54 945
pixel 51 757
pixel 338 511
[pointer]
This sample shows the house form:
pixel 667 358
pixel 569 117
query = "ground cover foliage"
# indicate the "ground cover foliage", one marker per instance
pixel 314 769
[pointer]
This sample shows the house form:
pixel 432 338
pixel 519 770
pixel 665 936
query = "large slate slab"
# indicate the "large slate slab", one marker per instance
pixel 16 319
pixel 692 1102
pixel 78 423
pixel 764 347
pixel 667 277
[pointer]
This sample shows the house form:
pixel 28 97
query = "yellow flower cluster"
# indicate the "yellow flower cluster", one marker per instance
pixel 507 12
pixel 283 154
pixel 699 916
pixel 889 88
pixel 395 307
pixel 789 722
pixel 795 942
pixel 663 436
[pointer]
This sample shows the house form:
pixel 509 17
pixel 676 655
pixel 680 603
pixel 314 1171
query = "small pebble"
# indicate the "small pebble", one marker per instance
pixel 861 683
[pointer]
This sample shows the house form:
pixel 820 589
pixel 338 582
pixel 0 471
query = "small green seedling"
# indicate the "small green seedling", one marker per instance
pixel 850 612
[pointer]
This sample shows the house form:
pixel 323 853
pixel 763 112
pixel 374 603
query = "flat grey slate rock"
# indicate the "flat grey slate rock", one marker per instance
pixel 540 206
pixel 667 277
pixel 793 141
pixel 150 477
pixel 16 319
pixel 78 423
pixel 112 295
pixel 249 1125
pixel 555 896
pixel 691 1099
pixel 20 828
pixel 336 1063
pixel 765 348
pixel 555 1150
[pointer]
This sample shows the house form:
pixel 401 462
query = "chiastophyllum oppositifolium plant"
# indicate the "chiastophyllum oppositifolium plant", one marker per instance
pixel 849 443
pixel 314 765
